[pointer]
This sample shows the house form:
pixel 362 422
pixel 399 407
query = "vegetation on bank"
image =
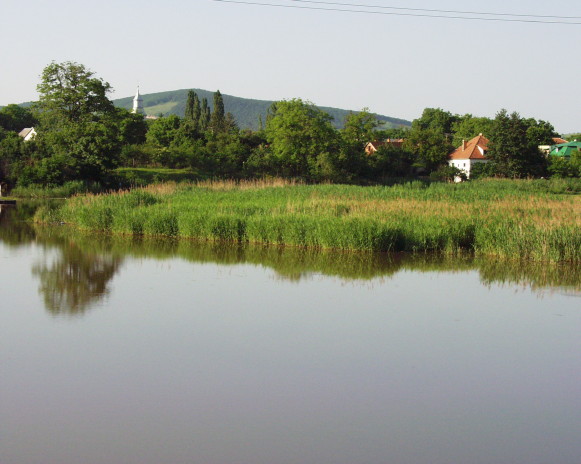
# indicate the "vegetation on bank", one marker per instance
pixel 524 219
pixel 82 136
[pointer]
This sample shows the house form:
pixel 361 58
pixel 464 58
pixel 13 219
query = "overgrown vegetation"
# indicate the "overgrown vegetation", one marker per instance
pixel 81 136
pixel 524 219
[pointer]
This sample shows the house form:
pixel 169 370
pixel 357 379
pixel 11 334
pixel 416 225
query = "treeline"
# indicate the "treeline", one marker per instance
pixel 82 136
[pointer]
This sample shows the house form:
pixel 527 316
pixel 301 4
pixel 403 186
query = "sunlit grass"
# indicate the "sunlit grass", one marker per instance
pixel 510 219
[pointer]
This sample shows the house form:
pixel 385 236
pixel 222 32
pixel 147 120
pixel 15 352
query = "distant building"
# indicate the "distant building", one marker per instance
pixel 565 149
pixel 546 149
pixel 372 147
pixel 469 154
pixel 138 103
pixel 28 133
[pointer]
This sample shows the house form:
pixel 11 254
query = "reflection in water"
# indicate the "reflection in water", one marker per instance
pixel 86 263
pixel 72 279
pixel 75 280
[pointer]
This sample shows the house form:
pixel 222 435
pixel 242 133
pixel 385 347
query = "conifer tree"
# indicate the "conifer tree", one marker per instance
pixel 217 121
pixel 189 112
pixel 196 112
pixel 230 124
pixel 204 115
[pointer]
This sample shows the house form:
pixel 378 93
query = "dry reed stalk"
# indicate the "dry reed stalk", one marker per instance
pixel 254 184
pixel 165 188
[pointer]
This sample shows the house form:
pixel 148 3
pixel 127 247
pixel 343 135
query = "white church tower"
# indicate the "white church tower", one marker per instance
pixel 138 103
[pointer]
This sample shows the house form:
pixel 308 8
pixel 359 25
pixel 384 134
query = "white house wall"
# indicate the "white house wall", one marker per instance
pixel 465 165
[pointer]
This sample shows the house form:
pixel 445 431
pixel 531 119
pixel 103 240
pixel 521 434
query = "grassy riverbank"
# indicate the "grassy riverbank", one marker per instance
pixel 538 220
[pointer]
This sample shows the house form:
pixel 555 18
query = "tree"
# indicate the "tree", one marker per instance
pixel 15 118
pixel 69 93
pixel 189 110
pixel 430 147
pixel 217 120
pixel 163 131
pixel 193 110
pixel 436 119
pixel 85 151
pixel 79 126
pixel 510 150
pixel 205 115
pixel 359 129
pixel 540 132
pixel 230 124
pixel 565 166
pixel 390 161
pixel 467 127
pixel 302 139
pixel 132 127
pixel 11 152
pixel 430 138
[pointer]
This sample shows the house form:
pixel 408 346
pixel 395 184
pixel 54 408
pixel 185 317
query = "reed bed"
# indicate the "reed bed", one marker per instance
pixel 537 220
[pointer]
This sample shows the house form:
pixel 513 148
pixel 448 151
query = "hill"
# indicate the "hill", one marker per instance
pixel 246 111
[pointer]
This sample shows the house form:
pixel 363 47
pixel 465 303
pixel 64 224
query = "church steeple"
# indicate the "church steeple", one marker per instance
pixel 138 103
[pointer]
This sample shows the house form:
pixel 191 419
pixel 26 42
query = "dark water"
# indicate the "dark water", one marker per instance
pixel 119 350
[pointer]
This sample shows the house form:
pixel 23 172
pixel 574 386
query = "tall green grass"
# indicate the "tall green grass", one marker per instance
pixel 537 220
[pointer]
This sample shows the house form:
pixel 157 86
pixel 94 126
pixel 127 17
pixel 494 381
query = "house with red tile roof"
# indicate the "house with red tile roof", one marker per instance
pixel 469 153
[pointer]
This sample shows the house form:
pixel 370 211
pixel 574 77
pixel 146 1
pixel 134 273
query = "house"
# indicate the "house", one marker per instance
pixel 28 133
pixel 546 149
pixel 372 147
pixel 565 149
pixel 468 154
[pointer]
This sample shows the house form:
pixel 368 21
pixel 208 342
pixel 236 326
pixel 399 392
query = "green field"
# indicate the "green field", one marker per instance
pixel 529 219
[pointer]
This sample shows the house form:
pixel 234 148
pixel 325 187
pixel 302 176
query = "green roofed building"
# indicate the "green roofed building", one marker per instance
pixel 565 149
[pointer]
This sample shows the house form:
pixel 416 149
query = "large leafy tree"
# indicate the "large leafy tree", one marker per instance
pixel 468 127
pixel 430 138
pixel 540 132
pixel 69 93
pixel 132 127
pixel 164 130
pixel 359 129
pixel 302 139
pixel 435 119
pixel 511 151
pixel 79 127
pixel 84 151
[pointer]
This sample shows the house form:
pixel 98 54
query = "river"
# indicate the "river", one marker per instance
pixel 133 350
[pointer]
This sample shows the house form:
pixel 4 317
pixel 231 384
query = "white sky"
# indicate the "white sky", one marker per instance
pixel 393 65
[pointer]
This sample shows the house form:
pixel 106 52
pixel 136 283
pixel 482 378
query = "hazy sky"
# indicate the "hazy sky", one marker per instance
pixel 394 65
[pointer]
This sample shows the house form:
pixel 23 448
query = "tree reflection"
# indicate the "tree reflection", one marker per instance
pixel 75 280
pixel 78 267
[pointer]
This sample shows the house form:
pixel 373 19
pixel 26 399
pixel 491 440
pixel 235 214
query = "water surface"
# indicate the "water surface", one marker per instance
pixel 120 350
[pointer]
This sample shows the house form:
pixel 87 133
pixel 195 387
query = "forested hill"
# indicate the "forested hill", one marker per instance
pixel 246 111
